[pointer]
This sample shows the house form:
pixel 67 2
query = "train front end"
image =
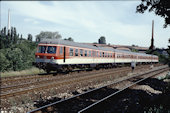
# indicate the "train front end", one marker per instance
pixel 46 57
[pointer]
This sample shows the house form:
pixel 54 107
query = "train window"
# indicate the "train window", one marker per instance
pixel 81 52
pixel 61 50
pixel 51 49
pixel 94 53
pixel 85 54
pixel 89 53
pixel 71 52
pixel 105 54
pixel 100 54
pixel 42 49
pixel 76 52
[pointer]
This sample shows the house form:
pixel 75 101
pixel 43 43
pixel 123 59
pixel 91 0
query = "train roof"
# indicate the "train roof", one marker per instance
pixel 71 43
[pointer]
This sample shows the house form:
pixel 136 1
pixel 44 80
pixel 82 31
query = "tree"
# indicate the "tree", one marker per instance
pixel 102 40
pixel 21 37
pixel 15 53
pixel 12 34
pixel 15 56
pixel 160 7
pixel 15 36
pixel 70 39
pixel 47 34
pixel 134 50
pixel 168 51
pixel 38 39
pixel 5 31
pixel 29 37
pixel 4 63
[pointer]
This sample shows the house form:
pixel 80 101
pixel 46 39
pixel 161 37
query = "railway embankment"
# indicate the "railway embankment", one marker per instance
pixel 150 96
pixel 152 91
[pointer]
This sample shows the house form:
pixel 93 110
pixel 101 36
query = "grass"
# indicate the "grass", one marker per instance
pixel 30 71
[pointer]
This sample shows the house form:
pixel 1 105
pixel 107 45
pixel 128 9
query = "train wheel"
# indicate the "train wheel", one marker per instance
pixel 48 71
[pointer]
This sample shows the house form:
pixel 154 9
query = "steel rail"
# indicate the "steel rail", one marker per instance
pixel 65 82
pixel 50 107
pixel 32 77
pixel 5 88
pixel 90 107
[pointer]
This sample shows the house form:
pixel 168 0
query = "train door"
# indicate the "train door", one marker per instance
pixel 64 60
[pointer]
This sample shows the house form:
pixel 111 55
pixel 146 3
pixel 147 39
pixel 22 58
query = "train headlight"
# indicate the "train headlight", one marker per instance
pixel 38 56
pixel 52 58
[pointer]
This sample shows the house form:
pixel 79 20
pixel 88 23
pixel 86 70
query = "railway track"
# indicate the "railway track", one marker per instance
pixel 52 79
pixel 14 79
pixel 16 90
pixel 56 82
pixel 41 79
pixel 91 100
pixel 7 80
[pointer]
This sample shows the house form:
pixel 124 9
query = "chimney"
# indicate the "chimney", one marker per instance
pixel 152 40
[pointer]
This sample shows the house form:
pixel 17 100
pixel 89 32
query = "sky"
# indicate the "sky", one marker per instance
pixel 86 21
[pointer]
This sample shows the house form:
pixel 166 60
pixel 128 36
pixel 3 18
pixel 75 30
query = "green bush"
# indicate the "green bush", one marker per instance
pixel 168 76
pixel 18 56
pixel 4 63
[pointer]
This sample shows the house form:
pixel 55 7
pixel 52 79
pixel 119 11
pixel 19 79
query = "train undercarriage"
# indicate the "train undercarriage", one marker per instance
pixel 48 67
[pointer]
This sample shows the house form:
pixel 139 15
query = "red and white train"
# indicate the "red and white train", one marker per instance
pixel 58 54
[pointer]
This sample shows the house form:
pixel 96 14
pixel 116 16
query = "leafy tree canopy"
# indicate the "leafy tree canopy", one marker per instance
pixel 160 7
pixel 168 51
pixel 102 40
pixel 70 39
pixel 47 34
pixel 4 63
pixel 29 37
pixel 16 53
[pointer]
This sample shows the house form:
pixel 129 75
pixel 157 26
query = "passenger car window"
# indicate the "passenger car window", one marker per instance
pixel 105 54
pixel 76 52
pixel 42 49
pixel 89 53
pixel 61 50
pixel 81 52
pixel 51 49
pixel 71 52
pixel 94 53
pixel 85 54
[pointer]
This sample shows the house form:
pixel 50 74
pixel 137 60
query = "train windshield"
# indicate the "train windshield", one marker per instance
pixel 42 49
pixel 47 49
pixel 51 49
